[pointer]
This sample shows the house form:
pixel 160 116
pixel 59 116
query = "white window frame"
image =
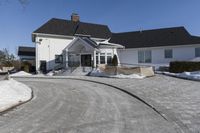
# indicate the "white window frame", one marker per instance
pixel 167 51
pixel 197 52
pixel 143 55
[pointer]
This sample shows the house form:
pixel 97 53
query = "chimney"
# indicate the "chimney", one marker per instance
pixel 75 17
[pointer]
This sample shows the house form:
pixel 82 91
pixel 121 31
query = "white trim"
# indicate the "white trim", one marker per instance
pixel 64 36
pixel 77 39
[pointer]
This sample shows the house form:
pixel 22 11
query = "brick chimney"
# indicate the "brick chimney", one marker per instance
pixel 75 17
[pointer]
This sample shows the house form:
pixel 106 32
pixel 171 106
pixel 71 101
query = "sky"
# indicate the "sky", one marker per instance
pixel 17 21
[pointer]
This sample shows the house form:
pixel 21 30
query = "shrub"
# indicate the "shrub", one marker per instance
pixel 26 66
pixel 183 66
pixel 115 60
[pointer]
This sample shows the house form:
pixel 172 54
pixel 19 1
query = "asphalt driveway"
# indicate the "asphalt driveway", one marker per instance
pixel 73 106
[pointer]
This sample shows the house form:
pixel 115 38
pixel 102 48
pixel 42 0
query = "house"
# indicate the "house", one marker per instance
pixel 71 43
pixel 27 54
pixel 157 47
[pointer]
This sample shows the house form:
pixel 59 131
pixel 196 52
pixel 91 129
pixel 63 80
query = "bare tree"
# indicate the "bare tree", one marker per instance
pixel 22 2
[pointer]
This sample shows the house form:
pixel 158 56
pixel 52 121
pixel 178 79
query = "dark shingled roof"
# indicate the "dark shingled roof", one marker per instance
pixel 70 28
pixel 26 51
pixel 155 38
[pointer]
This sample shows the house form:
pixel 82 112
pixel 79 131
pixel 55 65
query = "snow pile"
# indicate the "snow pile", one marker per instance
pixel 186 75
pixel 131 76
pixel 12 93
pixel 51 73
pixel 190 75
pixel 98 73
pixel 197 59
pixel 21 73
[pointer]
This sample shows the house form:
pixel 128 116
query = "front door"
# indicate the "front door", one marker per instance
pixel 86 60
pixel 43 66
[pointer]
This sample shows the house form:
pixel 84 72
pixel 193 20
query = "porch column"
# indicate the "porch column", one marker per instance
pixel 94 59
pixel 66 59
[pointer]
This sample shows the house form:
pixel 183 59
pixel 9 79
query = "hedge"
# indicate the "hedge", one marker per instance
pixel 184 66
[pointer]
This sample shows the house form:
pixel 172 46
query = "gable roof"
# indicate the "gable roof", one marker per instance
pixel 155 38
pixel 26 51
pixel 69 28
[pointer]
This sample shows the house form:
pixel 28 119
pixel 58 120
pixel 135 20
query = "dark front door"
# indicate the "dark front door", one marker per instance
pixel 86 60
pixel 43 66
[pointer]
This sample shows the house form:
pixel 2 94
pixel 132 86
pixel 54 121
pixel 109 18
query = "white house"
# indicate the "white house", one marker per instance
pixel 68 43
pixel 159 46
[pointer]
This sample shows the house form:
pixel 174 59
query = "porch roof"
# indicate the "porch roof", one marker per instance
pixel 93 44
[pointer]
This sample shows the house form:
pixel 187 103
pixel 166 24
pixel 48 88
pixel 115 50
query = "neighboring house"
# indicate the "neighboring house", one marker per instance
pixel 70 43
pixel 27 54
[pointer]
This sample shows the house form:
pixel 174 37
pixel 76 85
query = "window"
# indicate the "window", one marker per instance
pixel 168 53
pixel 58 58
pixel 197 52
pixel 144 56
pixel 102 58
pixel 109 58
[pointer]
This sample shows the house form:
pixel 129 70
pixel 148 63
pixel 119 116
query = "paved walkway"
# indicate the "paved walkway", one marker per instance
pixel 178 99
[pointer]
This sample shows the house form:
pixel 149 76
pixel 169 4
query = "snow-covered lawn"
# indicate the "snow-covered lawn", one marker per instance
pixel 186 75
pixel 99 73
pixel 12 93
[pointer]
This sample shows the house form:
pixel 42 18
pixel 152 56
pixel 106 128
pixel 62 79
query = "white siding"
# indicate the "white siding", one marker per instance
pixel 48 48
pixel 128 56
pixel 180 53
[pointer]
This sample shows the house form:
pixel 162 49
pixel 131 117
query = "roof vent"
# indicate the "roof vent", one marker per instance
pixel 75 17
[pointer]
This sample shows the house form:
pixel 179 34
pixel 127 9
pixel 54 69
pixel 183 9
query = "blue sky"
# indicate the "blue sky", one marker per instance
pixel 18 22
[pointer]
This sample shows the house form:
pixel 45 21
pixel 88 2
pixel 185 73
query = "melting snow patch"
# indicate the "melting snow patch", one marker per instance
pixel 190 75
pixel 12 93
pixel 21 73
pixel 51 73
pixel 131 76
pixel 186 75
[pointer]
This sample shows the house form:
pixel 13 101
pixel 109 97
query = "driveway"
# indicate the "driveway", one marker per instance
pixel 73 106
pixel 2 77
pixel 177 99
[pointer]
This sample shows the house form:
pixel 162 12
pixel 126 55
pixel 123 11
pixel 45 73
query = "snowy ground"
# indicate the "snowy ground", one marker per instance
pixel 12 93
pixel 21 73
pixel 186 75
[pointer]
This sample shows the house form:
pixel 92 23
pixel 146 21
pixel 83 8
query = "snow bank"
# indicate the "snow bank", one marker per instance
pixel 197 59
pixel 186 75
pixel 51 73
pixel 12 93
pixel 21 73
pixel 99 73
pixel 190 75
